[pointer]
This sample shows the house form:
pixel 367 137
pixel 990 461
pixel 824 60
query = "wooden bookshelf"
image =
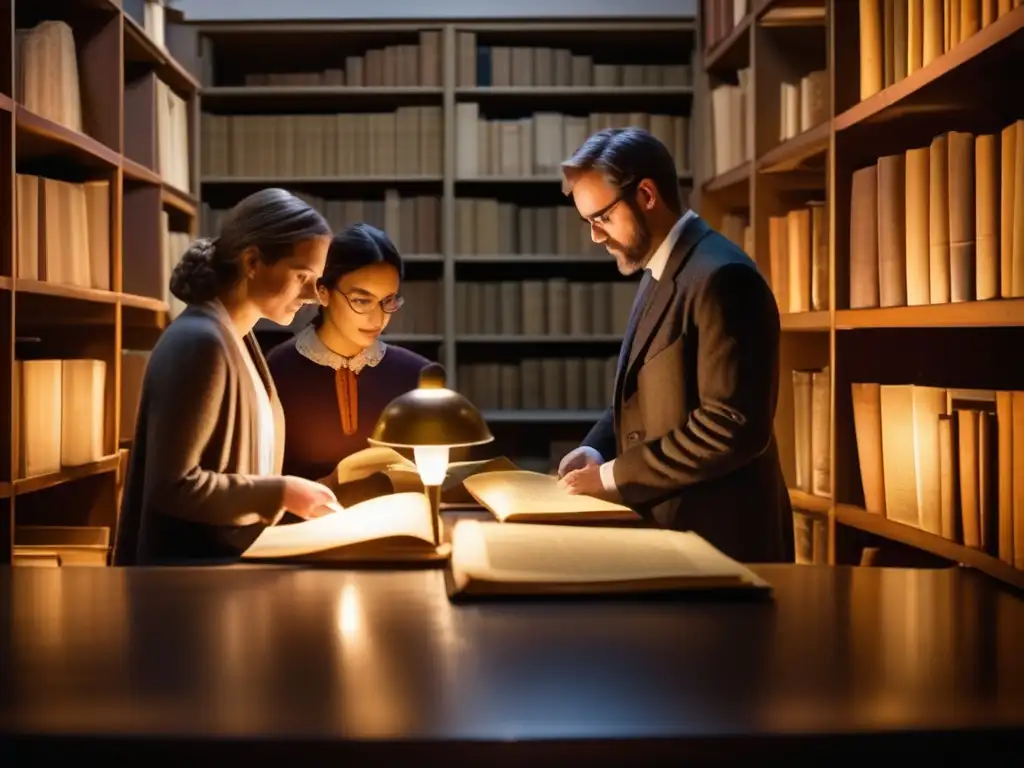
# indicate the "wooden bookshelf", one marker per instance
pixel 963 346
pixel 119 69
pixel 239 65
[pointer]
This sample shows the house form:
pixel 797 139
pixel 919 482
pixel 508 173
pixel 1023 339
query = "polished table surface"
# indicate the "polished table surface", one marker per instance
pixel 278 663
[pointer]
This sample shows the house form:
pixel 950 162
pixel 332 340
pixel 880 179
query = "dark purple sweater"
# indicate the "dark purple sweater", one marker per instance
pixel 314 438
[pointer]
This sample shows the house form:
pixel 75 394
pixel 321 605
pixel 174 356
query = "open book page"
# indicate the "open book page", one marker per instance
pixel 489 558
pixel 383 525
pixel 368 461
pixel 521 495
pixel 404 477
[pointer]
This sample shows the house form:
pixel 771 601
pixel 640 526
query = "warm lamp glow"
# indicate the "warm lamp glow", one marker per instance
pixel 431 463
pixel 430 420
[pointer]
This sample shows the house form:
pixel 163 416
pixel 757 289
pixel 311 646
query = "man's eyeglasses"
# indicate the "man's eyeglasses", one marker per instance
pixel 363 305
pixel 600 217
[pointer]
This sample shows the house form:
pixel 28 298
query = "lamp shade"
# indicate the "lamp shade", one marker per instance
pixel 430 415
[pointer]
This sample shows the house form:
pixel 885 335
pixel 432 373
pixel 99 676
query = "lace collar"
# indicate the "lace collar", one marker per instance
pixel 308 344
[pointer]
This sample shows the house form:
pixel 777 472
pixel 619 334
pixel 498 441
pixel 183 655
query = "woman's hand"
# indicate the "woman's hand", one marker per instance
pixel 308 499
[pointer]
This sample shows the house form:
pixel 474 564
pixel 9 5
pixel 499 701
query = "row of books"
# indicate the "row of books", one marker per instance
pixel 59 414
pixel 47 74
pixel 173 245
pixel 812 440
pixel 526 66
pixel 406 142
pixel 898 38
pixel 63 231
pixel 484 226
pixel 736 227
pixel 405 66
pixel 947 461
pixel 940 223
pixel 537 145
pixel 172 131
pixel 412 223
pixel 810 538
pixel 47 82
pixel 798 257
pixel 409 142
pixel 133 370
pixel 732 138
pixel 154 21
pixel 422 310
pixel 552 307
pixel 804 104
pixel 551 383
pixel 719 18
pixel 487 227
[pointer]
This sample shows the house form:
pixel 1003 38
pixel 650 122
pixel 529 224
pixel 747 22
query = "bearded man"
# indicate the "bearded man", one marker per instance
pixel 688 440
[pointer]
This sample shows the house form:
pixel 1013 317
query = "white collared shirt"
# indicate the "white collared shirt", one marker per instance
pixel 656 266
pixel 264 411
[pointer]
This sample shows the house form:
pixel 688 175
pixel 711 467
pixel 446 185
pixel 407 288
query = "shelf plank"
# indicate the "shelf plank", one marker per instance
pixel 731 178
pixel 684 178
pixel 26 485
pixel 179 200
pixel 257 91
pixel 39 137
pixel 6 103
pixel 855 517
pixel 733 51
pixel 792 154
pixel 793 13
pixel 808 502
pixel 138 172
pixel 139 48
pixel 806 321
pixel 143 302
pixel 499 338
pixel 42 288
pixel 571 91
pixel 344 97
pixel 916 91
pixel 271 180
pixel 992 313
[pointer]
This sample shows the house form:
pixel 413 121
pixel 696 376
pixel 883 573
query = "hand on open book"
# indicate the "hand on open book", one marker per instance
pixel 308 499
pixel 578 458
pixel 586 482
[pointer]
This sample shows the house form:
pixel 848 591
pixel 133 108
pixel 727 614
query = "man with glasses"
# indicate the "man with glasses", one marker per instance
pixel 688 439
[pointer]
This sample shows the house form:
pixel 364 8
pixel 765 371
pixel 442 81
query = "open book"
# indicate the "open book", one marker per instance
pixel 493 559
pixel 393 528
pixel 523 496
pixel 405 478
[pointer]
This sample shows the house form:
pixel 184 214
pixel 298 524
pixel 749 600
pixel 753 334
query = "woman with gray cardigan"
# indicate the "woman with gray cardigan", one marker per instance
pixel 204 477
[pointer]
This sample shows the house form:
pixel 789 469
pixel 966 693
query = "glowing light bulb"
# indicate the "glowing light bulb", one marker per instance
pixel 431 463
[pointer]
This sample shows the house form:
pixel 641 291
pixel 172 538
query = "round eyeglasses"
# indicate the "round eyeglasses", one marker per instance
pixel 363 304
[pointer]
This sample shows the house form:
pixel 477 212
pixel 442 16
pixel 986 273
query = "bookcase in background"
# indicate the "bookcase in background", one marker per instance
pixel 96 136
pixel 449 137
pixel 897 127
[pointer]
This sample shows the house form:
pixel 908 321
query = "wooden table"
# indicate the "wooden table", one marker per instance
pixel 278 665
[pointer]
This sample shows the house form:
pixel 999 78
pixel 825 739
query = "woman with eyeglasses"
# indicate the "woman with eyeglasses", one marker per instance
pixel 336 376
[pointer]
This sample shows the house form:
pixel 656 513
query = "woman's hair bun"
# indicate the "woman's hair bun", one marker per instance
pixel 199 277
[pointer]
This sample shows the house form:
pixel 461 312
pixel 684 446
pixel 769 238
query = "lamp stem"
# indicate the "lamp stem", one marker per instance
pixel 434 497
